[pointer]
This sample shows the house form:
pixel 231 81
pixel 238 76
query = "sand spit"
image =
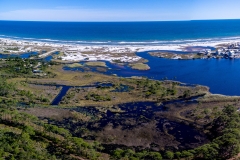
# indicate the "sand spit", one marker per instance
pixel 76 52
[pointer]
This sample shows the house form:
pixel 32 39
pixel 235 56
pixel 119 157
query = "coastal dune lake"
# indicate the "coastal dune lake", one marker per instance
pixel 86 87
pixel 221 75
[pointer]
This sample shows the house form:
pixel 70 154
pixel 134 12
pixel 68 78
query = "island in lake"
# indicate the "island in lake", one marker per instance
pixel 86 113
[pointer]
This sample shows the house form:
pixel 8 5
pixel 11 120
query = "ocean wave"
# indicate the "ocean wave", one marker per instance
pixel 231 37
pixel 153 42
pixel 29 38
pixel 49 40
pixel 97 42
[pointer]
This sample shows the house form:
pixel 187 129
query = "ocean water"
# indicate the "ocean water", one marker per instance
pixel 222 76
pixel 122 33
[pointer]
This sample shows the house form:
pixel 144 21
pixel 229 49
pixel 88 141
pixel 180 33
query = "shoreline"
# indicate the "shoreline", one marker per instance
pixel 133 46
pixel 126 42
pixel 111 53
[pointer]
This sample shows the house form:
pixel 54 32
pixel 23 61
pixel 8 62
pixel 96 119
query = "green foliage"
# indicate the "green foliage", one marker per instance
pixel 207 151
pixel 156 88
pixel 132 155
pixel 6 88
pixel 26 137
pixel 18 67
pixel 169 155
pixel 186 154
pixel 23 136
pixel 87 76
pixel 186 94
pixel 21 146
pixel 178 155
pixel 97 97
pixel 226 133
pixel 226 139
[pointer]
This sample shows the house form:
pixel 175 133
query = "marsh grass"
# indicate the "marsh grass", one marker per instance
pixel 96 64
pixel 74 65
pixel 139 66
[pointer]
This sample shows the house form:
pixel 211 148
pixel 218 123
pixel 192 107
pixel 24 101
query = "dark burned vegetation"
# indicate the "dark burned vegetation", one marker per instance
pixel 107 117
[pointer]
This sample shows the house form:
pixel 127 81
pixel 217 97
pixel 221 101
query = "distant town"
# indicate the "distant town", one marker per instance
pixel 231 51
pixel 227 51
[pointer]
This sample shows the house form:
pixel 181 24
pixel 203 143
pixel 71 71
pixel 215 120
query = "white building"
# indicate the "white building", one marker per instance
pixel 220 52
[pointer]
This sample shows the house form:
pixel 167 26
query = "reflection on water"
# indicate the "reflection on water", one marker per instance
pixel 24 55
pixel 221 75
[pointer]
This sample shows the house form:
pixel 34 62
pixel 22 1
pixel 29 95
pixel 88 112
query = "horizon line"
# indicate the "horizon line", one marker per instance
pixel 117 21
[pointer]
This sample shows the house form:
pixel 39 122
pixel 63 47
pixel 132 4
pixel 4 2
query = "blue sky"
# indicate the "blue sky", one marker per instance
pixel 118 10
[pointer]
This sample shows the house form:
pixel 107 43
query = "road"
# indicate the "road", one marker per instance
pixel 47 54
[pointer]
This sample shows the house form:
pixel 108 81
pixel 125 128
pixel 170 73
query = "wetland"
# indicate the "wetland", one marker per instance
pixel 94 103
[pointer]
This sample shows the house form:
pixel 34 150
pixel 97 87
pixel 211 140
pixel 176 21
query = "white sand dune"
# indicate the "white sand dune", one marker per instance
pixel 102 52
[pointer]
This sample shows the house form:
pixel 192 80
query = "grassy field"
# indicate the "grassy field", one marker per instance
pixel 143 89
pixel 96 64
pixel 140 66
pixel 73 65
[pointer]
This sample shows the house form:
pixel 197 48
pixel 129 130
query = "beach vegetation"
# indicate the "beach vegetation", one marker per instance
pixel 96 64
pixel 74 65
pixel 139 66
pixel 97 97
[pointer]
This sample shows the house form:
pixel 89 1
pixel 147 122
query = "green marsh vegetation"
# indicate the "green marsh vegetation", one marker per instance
pixel 140 66
pixel 73 65
pixel 54 136
pixel 100 64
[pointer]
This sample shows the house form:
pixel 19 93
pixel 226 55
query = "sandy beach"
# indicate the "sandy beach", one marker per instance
pixel 76 52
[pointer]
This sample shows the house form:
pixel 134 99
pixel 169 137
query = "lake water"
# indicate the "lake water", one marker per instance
pixel 222 75
pixel 24 55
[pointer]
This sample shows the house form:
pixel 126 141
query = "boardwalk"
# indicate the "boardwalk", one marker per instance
pixel 47 54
